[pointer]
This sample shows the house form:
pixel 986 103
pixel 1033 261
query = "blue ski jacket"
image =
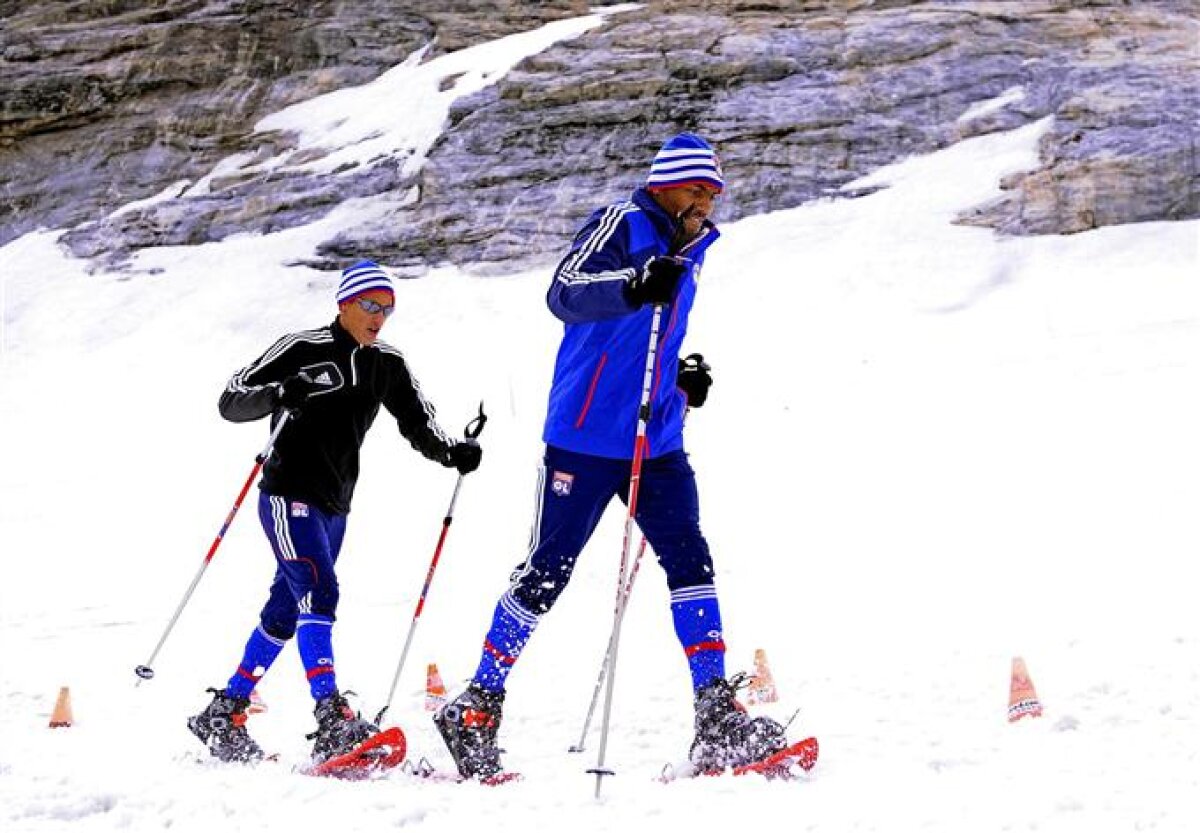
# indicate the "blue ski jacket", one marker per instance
pixel 601 361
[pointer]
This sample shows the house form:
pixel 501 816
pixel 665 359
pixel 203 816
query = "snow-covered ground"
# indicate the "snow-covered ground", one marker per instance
pixel 928 450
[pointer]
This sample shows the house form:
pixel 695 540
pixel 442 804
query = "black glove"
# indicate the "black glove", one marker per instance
pixel 464 455
pixel 657 282
pixel 694 379
pixel 296 389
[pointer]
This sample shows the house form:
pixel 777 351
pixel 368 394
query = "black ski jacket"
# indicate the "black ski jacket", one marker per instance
pixel 315 459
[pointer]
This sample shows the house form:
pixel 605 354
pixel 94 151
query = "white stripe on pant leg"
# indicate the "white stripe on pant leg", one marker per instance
pixel 539 502
pixel 535 532
pixel 690 594
pixel 518 611
pixel 283 534
pixel 270 638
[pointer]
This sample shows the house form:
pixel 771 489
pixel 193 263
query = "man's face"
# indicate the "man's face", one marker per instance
pixel 359 321
pixel 692 203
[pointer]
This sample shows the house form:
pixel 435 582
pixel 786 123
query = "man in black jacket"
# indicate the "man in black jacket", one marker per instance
pixel 332 380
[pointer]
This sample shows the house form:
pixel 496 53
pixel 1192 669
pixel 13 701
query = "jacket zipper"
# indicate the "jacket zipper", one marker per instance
pixel 691 244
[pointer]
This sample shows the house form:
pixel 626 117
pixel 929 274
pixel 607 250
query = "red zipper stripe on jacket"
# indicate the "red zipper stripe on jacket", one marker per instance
pixel 587 403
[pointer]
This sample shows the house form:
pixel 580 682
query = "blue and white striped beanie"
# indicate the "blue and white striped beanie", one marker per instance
pixel 362 277
pixel 683 160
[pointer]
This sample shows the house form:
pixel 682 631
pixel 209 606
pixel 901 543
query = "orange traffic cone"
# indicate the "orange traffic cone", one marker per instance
pixel 435 689
pixel 1022 698
pixel 61 716
pixel 257 704
pixel 762 684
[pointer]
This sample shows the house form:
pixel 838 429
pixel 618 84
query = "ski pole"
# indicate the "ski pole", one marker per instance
pixel 146 672
pixel 471 432
pixel 587 721
pixel 635 477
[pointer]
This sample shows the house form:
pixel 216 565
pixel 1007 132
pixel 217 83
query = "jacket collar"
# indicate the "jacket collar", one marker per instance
pixel 664 223
pixel 341 336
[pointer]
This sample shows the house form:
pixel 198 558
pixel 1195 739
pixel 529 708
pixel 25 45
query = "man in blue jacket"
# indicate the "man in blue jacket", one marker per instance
pixel 628 258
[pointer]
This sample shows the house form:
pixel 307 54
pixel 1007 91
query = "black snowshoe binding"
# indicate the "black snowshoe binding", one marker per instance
pixel 725 735
pixel 222 728
pixel 468 724
pixel 339 728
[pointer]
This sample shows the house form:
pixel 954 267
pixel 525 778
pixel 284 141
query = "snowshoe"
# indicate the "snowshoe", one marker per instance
pixel 726 736
pixel 222 728
pixel 469 724
pixel 787 764
pixel 781 764
pixel 339 728
pixel 374 756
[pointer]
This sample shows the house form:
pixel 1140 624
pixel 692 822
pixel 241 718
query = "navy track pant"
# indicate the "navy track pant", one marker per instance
pixel 306 542
pixel 574 490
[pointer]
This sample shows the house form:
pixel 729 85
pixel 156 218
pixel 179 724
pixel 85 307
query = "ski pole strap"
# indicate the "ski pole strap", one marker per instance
pixel 475 426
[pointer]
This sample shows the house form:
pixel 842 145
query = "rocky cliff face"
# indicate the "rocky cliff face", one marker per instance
pixel 108 101
pixel 800 97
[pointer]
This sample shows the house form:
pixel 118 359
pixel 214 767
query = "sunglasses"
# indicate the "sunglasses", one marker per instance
pixel 367 305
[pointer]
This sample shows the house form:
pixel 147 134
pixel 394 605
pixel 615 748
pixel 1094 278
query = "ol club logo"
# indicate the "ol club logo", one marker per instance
pixel 561 483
